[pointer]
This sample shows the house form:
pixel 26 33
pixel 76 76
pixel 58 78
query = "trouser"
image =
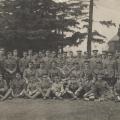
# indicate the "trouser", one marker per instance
pixel 111 81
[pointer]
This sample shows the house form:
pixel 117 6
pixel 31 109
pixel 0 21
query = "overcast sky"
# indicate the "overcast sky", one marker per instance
pixel 104 10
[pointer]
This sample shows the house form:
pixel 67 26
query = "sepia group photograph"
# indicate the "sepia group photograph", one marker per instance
pixel 59 59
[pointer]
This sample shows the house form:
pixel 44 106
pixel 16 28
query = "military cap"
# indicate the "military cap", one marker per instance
pixel 53 61
pixel 98 62
pixel 95 51
pixel 110 53
pixel 9 53
pixel 85 52
pixel 86 61
pixel 44 74
pixel 55 75
pixel 101 74
pixel 65 52
pixel 75 62
pixel 79 51
pixel 72 76
pixel 2 49
pixel 104 52
pixel 1 75
pixel 42 61
pixel 53 52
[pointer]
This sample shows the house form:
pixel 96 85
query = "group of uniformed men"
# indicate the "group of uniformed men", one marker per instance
pixel 49 75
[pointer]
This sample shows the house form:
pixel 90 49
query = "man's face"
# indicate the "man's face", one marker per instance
pixel 2 52
pixel 9 55
pixel 86 64
pixel 40 54
pixel 53 54
pixel 79 54
pixel 1 77
pixel 64 55
pixel 15 52
pixel 73 78
pixel 42 65
pixel 103 55
pixel 99 65
pixel 71 54
pixel 30 65
pixel 53 64
pixel 18 76
pixel 85 55
pixel 30 52
pixel 47 53
pixel 59 55
pixel 25 54
pixel 56 79
pixel 99 77
pixel 95 53
pixel 109 56
pixel 44 77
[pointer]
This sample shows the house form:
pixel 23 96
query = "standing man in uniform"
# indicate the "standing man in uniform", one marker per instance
pixel 47 58
pixel 70 60
pixel 23 62
pixel 104 58
pixel 2 59
pixel 110 69
pixel 16 58
pixel 36 61
pixel 80 59
pixel 94 59
pixel 30 55
pixel 10 66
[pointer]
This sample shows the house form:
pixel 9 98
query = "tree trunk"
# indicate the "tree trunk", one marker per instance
pixel 89 47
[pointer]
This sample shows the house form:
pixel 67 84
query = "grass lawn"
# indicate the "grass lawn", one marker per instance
pixel 22 109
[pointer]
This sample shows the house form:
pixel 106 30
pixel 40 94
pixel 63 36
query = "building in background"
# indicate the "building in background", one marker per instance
pixel 114 43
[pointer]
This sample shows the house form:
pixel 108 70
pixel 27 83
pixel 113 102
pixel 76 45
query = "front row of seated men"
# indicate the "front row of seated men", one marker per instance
pixel 58 84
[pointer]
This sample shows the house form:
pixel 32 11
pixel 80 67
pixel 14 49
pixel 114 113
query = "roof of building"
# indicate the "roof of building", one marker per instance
pixel 115 38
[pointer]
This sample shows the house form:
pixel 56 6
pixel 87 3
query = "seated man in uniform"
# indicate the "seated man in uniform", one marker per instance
pixel 87 81
pixel 56 87
pixel 110 70
pixel 117 89
pixel 4 91
pixel 54 69
pixel 41 70
pixel 41 88
pixel 101 89
pixel 18 86
pixel 29 73
pixel 72 87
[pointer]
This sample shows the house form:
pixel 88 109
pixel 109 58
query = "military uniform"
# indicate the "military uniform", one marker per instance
pixel 36 61
pixel 87 80
pixel 29 74
pixel 101 89
pixel 23 63
pixel 10 66
pixel 56 89
pixel 110 69
pixel 117 68
pixel 72 87
pixel 3 87
pixel 40 72
pixel 80 59
pixel 18 85
pixel 45 86
pixel 2 60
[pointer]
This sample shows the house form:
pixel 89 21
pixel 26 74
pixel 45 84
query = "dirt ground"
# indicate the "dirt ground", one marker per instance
pixel 22 109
